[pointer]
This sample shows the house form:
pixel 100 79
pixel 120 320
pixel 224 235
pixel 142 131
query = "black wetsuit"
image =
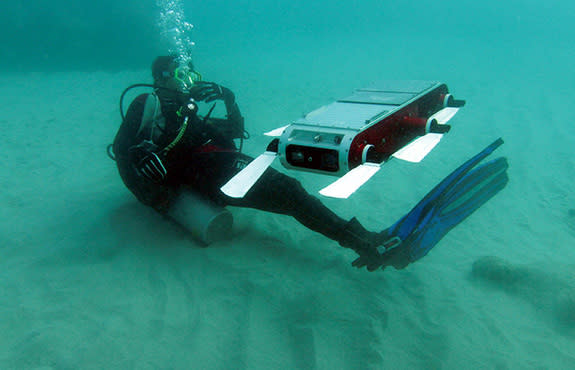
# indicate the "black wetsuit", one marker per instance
pixel 205 159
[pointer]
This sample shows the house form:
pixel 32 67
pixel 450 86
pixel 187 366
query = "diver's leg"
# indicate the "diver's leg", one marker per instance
pixel 273 192
pixel 278 193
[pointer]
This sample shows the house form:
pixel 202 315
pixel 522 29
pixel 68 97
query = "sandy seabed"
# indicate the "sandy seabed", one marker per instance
pixel 89 278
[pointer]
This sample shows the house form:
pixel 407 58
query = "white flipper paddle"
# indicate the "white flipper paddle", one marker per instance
pixel 444 115
pixel 351 181
pixel 243 181
pixel 420 147
pixel 276 132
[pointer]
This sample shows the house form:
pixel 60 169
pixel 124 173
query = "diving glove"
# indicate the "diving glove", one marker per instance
pixel 209 91
pixel 148 162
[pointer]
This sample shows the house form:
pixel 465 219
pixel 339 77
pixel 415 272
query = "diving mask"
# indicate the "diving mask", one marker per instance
pixel 187 77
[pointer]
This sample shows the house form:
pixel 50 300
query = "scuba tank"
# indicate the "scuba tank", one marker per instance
pixel 206 221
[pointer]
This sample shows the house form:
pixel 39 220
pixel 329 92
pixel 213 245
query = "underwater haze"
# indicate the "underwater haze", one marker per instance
pixel 48 35
pixel 91 279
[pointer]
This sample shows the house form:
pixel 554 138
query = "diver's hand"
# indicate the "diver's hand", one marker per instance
pixel 372 261
pixel 392 252
pixel 148 163
pixel 209 91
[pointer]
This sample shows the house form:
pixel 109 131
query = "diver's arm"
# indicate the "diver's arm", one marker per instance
pixel 233 113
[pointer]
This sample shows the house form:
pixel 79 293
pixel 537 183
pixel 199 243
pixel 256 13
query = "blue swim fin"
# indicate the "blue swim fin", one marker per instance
pixel 449 203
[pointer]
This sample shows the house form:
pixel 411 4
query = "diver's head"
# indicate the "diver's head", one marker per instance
pixel 167 72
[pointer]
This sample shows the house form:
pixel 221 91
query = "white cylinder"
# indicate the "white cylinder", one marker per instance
pixel 206 221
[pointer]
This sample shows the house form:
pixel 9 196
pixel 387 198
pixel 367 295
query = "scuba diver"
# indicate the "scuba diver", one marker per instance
pixel 164 146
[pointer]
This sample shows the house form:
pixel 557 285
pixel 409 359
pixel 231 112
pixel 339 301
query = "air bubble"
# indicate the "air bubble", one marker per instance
pixel 175 29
